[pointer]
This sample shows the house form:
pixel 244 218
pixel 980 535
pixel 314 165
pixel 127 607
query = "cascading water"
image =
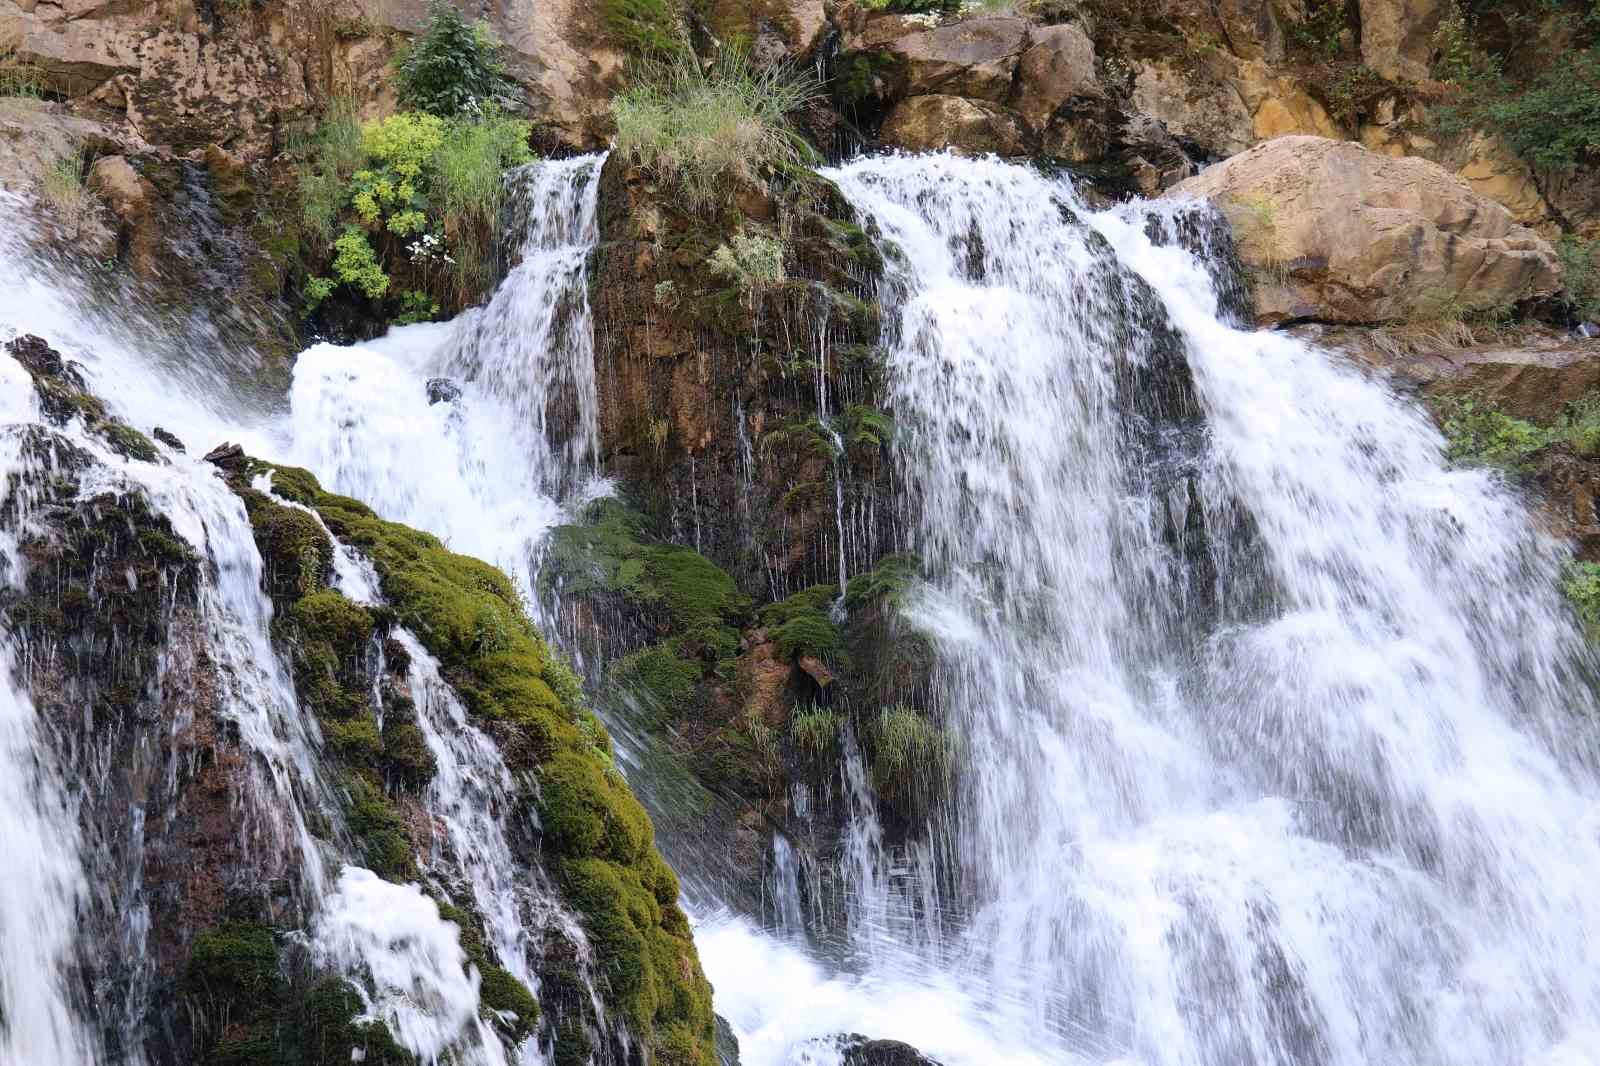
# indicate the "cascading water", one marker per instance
pixel 1303 783
pixel 1348 821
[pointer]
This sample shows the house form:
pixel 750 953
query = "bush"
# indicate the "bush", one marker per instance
pixel 1551 118
pixel 644 27
pixel 1582 589
pixel 706 128
pixel 1580 275
pixel 453 68
pixel 1480 435
pixel 413 196
pixel 751 261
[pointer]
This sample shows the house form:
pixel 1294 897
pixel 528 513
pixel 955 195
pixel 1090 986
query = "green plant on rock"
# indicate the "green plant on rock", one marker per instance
pixel 1580 275
pixel 889 580
pixel 708 128
pixel 815 729
pixel 650 28
pixel 595 835
pixel 1320 31
pixel 907 748
pixel 453 67
pixel 1479 434
pixel 1582 589
pixel 1550 116
pixel 356 264
pixel 803 623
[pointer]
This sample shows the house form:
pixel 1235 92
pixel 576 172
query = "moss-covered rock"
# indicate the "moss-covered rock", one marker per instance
pixel 598 838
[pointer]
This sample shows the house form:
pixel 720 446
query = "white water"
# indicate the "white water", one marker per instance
pixel 1353 821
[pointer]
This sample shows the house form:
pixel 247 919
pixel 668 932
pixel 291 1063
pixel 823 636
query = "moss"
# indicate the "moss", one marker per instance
pixel 377 828
pixel 127 441
pixel 405 749
pixel 516 1009
pixel 889 579
pixel 801 624
pixel 233 972
pixel 296 553
pixel 657 680
pixel 469 616
pixel 335 1032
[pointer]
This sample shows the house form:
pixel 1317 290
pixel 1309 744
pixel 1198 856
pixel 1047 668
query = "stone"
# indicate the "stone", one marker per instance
pixel 1397 36
pixel 167 437
pixel 857 1050
pixel 1196 107
pixel 937 122
pixel 975 58
pixel 1535 382
pixel 1336 233
pixel 1058 66
pixel 442 390
pixel 778 30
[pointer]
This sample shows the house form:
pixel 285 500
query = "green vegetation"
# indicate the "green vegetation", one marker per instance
pixel 19 81
pixel 907 749
pixel 815 729
pixel 751 260
pixel 597 837
pixel 1582 589
pixel 893 575
pixel 1548 113
pixel 1581 275
pixel 453 68
pixel 650 28
pixel 707 128
pixel 1320 30
pixel 415 197
pixel 1480 434
pixel 802 625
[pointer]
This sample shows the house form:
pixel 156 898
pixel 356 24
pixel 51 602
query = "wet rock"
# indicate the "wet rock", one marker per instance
pixel 169 439
pixel 857 1050
pixel 36 355
pixel 225 454
pixel 936 122
pixel 975 58
pixel 1535 380
pixel 443 390
pixel 1337 233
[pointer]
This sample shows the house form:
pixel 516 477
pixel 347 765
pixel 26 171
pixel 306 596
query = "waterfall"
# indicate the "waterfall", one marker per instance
pixel 1346 815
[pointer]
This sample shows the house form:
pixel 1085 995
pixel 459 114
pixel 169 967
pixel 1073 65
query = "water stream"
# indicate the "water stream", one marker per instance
pixel 1275 740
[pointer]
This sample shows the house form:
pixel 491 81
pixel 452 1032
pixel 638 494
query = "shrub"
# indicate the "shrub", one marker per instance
pixel 1479 434
pixel 1582 589
pixel 1320 30
pixel 706 128
pixel 453 68
pixel 1581 276
pixel 357 265
pixel 751 261
pixel 1550 117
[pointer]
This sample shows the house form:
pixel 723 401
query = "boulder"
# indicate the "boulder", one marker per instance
pixel 976 57
pixel 1058 66
pixel 1196 106
pixel 777 30
pixel 1337 233
pixel 1397 36
pixel 937 122
pixel 856 1050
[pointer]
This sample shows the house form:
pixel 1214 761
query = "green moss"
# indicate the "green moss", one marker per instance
pixel 377 828
pixel 514 1006
pixel 233 970
pixel 893 575
pixel 334 1031
pixel 657 680
pixel 127 441
pixel 296 553
pixel 405 749
pixel 354 739
pixel 801 624
pixel 469 616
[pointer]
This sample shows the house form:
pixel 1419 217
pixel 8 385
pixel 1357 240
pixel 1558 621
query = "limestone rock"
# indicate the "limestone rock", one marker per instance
pixel 976 58
pixel 1340 234
pixel 1535 382
pixel 937 122
pixel 1058 66
pixel 1194 106
pixel 1397 36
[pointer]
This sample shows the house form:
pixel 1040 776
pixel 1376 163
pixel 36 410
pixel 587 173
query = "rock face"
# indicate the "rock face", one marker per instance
pixel 1535 382
pixel 1336 233
pixel 938 122
pixel 1397 36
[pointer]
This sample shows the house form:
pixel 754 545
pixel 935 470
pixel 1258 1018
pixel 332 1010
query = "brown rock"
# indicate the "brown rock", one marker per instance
pixel 1058 65
pixel 934 123
pixel 817 670
pixel 1397 36
pixel 777 30
pixel 975 58
pixel 1340 234
pixel 1536 382
pixel 1202 107
pixel 764 681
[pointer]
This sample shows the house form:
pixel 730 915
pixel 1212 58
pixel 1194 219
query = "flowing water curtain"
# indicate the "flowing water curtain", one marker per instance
pixel 1321 831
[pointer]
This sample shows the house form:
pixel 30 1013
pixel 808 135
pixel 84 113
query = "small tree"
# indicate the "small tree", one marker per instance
pixel 453 67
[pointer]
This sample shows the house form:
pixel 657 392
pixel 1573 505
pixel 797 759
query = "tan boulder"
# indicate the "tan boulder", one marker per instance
pixel 133 200
pixel 1337 233
pixel 1535 381
pixel 937 122
pixel 1397 36
pixel 1203 107
pixel 1058 66
pixel 976 58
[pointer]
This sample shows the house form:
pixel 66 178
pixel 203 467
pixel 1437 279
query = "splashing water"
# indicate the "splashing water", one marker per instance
pixel 1345 818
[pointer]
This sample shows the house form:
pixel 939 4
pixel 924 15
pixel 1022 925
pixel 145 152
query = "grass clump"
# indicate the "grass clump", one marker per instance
pixel 815 729
pixel 707 128
pixel 906 748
